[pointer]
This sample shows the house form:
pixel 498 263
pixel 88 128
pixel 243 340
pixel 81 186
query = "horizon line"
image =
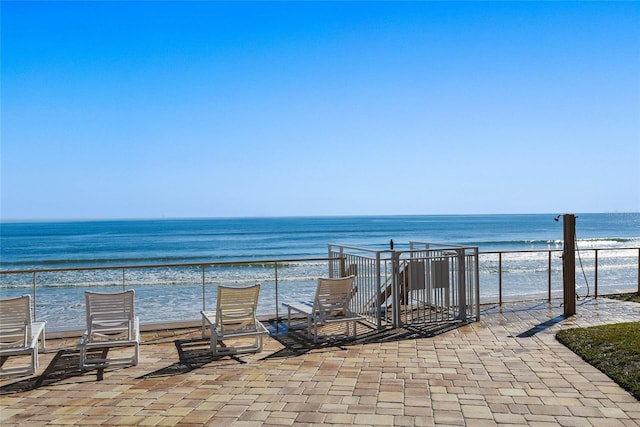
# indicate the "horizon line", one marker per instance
pixel 170 218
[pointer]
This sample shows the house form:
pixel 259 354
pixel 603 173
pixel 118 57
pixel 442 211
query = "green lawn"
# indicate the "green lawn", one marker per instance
pixel 614 349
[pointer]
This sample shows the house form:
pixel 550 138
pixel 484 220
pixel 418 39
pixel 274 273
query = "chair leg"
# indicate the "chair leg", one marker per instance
pixel 34 360
pixel 214 344
pixel 82 354
pixel 44 341
pixel 136 355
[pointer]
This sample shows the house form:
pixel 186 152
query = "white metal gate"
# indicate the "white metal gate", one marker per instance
pixel 428 283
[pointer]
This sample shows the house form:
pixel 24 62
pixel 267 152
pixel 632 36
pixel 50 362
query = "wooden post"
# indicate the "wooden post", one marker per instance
pixel 569 264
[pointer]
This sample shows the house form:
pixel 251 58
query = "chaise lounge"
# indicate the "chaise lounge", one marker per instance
pixel 331 305
pixel 19 335
pixel 111 323
pixel 235 321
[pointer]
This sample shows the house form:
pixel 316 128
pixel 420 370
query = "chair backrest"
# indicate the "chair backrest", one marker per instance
pixel 15 322
pixel 236 307
pixel 333 297
pixel 110 315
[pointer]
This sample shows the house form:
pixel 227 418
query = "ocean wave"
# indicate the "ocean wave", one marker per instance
pixel 107 262
pixel 612 242
pixel 523 244
pixel 150 262
pixel 169 276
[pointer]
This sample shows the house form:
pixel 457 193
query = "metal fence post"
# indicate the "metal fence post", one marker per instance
pixel 35 313
pixel 500 278
pixel 378 307
pixel 204 295
pixel 595 274
pixel 396 288
pixel 462 285
pixel 549 278
pixel 477 282
pixel 277 313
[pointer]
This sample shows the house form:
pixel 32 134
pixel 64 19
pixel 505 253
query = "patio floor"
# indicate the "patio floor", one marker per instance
pixel 507 369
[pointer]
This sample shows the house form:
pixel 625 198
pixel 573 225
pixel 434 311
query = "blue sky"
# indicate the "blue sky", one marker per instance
pixel 211 109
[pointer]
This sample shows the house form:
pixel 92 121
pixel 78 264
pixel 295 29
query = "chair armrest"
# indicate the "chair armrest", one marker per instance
pixel 300 307
pixel 37 329
pixel 136 329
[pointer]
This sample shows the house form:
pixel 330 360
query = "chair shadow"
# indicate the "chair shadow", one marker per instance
pixel 65 364
pixel 193 354
pixel 296 342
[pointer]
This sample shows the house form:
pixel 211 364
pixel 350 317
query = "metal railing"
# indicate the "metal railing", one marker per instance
pixel 175 293
pixel 427 283
pixel 621 266
pixel 179 291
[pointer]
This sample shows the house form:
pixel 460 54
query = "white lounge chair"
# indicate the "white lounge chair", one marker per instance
pixel 19 335
pixel 331 305
pixel 234 321
pixel 111 322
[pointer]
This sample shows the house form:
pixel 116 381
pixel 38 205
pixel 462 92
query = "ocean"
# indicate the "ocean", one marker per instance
pixel 164 294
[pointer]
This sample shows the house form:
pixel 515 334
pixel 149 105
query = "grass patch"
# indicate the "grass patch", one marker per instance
pixel 633 296
pixel 613 349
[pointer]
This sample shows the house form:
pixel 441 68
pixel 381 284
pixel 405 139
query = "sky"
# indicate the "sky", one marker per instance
pixel 212 109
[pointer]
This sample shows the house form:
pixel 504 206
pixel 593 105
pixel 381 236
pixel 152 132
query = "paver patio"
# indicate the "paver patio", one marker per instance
pixel 507 369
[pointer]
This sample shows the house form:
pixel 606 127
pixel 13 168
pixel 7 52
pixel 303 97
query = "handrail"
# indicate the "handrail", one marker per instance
pixel 265 262
pixel 549 266
pixel 203 265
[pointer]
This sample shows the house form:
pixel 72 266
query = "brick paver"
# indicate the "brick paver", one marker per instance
pixel 507 369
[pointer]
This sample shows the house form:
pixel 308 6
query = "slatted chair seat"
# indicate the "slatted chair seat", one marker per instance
pixel 331 305
pixel 234 320
pixel 19 336
pixel 111 323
